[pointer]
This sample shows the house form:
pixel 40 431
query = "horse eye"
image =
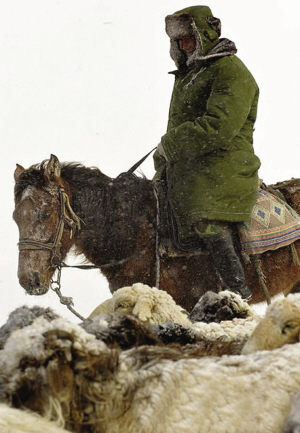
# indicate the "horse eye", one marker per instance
pixel 44 216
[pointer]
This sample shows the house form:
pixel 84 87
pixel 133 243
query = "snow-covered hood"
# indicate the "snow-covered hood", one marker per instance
pixel 199 22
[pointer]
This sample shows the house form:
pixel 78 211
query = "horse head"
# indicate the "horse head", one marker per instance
pixel 46 223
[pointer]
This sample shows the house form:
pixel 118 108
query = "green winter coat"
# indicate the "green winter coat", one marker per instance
pixel 210 164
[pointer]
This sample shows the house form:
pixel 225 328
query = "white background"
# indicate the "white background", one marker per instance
pixel 87 81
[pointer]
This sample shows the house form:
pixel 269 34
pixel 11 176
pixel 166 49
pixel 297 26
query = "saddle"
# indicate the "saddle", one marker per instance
pixel 272 225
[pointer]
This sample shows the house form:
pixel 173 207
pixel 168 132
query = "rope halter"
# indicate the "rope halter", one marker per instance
pixel 66 217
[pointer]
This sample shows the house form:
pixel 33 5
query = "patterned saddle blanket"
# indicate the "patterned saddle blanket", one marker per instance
pixel 273 224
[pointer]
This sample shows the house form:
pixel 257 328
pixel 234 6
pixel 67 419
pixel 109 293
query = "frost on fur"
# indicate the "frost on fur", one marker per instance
pixel 150 305
pixel 59 370
pixel 156 307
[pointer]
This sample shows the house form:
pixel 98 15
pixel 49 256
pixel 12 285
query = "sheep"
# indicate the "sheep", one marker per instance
pixel 280 326
pixel 21 317
pixel 172 325
pixel 217 307
pixel 156 307
pixel 58 368
pixel 126 330
pixel 150 305
pixel 19 421
pixel 153 306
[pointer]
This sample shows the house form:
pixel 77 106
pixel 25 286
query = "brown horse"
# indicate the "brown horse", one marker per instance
pixel 113 222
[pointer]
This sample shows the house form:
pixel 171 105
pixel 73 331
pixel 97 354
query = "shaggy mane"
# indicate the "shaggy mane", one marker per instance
pixel 72 172
pixel 100 201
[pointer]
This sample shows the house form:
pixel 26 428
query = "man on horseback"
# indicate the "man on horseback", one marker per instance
pixel 207 154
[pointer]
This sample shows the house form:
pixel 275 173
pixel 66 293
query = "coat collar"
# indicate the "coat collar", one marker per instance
pixel 223 49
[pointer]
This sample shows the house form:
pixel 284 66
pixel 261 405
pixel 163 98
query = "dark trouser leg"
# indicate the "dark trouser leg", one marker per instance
pixel 227 262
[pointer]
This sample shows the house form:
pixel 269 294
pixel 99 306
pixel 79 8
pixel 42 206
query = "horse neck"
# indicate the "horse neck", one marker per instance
pixel 114 213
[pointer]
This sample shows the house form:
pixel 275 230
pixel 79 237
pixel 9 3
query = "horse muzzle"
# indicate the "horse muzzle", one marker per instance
pixel 33 284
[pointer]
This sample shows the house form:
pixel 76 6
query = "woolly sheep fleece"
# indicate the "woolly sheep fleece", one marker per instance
pixel 233 394
pixel 153 306
pixel 19 421
pixel 280 326
pixel 150 305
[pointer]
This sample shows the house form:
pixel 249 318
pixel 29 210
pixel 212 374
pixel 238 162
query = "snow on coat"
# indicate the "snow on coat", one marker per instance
pixel 210 164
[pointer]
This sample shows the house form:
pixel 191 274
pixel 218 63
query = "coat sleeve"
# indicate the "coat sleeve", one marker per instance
pixel 159 165
pixel 227 109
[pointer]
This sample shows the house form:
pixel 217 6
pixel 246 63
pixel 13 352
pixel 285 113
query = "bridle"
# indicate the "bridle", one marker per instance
pixel 68 217
pixel 73 222
pixel 54 247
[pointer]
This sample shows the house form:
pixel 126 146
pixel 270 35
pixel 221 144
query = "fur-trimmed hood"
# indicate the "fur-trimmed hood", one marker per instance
pixel 199 22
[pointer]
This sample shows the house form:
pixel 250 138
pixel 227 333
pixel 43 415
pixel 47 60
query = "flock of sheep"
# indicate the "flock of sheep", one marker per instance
pixel 141 364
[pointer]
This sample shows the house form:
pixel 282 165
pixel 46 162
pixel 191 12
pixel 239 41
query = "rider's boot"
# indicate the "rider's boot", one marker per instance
pixel 228 263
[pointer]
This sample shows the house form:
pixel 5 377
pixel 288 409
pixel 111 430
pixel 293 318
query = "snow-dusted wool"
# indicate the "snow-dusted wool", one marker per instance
pixel 217 307
pixel 150 305
pixel 153 306
pixel 67 372
pixel 19 421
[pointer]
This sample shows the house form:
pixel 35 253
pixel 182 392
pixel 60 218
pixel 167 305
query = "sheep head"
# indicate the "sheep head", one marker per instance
pixel 137 300
pixel 281 325
pixel 150 305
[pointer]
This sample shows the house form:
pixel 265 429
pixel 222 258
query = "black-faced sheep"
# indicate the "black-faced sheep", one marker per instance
pixel 218 307
pixel 126 330
pixel 156 307
pixel 58 368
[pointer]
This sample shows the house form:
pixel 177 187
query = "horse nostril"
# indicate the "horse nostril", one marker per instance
pixel 35 280
pixel 33 284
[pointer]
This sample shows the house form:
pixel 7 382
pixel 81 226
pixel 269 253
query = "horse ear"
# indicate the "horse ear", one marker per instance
pixel 19 169
pixel 52 169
